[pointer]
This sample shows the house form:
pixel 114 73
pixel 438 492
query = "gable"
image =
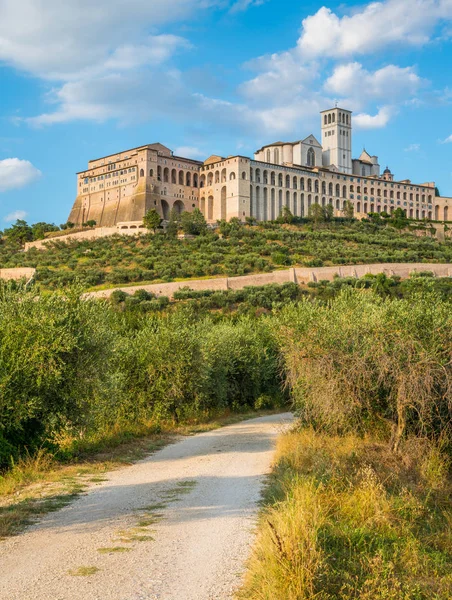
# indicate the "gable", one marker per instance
pixel 311 141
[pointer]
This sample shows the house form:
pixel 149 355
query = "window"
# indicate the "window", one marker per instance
pixel 311 157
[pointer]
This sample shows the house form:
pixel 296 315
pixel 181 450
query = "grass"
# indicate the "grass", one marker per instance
pixel 40 484
pixel 345 518
pixel 113 550
pixel 83 571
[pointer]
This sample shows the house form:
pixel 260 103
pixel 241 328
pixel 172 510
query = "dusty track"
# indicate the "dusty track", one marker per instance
pixel 185 514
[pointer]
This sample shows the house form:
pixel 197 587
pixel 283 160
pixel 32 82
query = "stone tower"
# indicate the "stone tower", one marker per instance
pixel 337 139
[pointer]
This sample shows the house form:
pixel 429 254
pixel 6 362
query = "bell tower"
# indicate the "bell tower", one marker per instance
pixel 337 139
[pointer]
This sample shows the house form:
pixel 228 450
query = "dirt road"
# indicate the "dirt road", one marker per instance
pixel 175 526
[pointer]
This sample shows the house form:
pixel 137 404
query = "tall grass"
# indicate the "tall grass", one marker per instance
pixel 347 518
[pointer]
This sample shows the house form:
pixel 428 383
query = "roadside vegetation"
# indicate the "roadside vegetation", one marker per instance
pixel 231 249
pixel 358 505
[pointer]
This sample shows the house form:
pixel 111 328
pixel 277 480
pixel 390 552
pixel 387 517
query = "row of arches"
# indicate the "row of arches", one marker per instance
pixel 177 206
pixel 279 180
pixel 217 177
pixel 177 177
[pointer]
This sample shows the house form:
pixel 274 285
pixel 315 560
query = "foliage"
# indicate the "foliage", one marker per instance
pixel 152 219
pixel 360 358
pixel 348 210
pixel 240 250
pixel 346 519
pixel 193 222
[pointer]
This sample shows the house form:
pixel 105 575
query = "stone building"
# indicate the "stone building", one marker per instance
pixel 120 188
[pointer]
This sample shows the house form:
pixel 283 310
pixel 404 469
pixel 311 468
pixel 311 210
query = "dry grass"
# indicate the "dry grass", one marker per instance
pixel 345 519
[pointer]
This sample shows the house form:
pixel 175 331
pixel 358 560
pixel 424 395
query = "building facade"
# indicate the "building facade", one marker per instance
pixel 121 188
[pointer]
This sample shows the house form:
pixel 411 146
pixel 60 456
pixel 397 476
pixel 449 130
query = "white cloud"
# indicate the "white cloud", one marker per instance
pixel 59 40
pixel 376 26
pixel 241 5
pixel 16 173
pixel 17 214
pixel 413 148
pixel 390 83
pixel 190 152
pixel 381 119
pixel 98 76
pixel 448 140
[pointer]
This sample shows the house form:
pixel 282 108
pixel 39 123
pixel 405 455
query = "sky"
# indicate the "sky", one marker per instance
pixel 82 79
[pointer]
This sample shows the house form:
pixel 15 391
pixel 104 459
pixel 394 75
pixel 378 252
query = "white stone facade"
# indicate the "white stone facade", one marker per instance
pixel 122 187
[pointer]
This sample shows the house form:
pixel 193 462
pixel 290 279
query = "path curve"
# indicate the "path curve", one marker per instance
pixel 186 515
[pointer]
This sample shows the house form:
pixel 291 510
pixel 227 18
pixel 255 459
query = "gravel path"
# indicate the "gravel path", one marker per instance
pixel 183 518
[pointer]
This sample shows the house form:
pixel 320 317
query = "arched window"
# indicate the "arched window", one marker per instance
pixel 276 156
pixel 272 178
pixel 223 176
pixel 280 180
pixel 329 119
pixel 195 180
pixel 188 179
pixel 323 187
pixel 344 191
pixel 316 186
pixel 232 176
pixel 217 176
pixel 210 179
pixel 325 120
pixel 202 181
pixel 181 178
pixel 141 172
pixel 311 157
pixel 330 189
pixel 243 175
pixel 268 156
pixel 295 183
pixel 265 176
pixel 287 181
pixel 173 176
pixel 159 173
pixel 338 190
pixel 302 183
pixel 151 173
pixel 258 175
pixel 363 171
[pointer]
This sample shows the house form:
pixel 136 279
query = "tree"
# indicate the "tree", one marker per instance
pixel 316 213
pixel 328 212
pixel 286 215
pixel 152 219
pixel 437 194
pixel 20 232
pixel 173 223
pixel 91 223
pixel 193 223
pixel 399 219
pixel 348 211
pixel 40 229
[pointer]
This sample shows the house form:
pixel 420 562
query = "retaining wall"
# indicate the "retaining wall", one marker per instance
pixel 297 275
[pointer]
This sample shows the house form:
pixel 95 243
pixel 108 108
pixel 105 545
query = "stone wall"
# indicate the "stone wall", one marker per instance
pixel 17 273
pixel 130 228
pixel 297 275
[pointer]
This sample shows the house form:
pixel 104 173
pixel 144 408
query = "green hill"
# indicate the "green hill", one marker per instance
pixel 229 250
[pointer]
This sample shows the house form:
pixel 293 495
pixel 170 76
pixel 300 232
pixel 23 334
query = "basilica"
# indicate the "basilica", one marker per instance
pixel 117 190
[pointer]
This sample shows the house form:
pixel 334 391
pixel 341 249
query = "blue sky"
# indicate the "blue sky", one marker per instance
pixel 79 80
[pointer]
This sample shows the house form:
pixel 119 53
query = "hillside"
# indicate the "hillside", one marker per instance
pixel 230 250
